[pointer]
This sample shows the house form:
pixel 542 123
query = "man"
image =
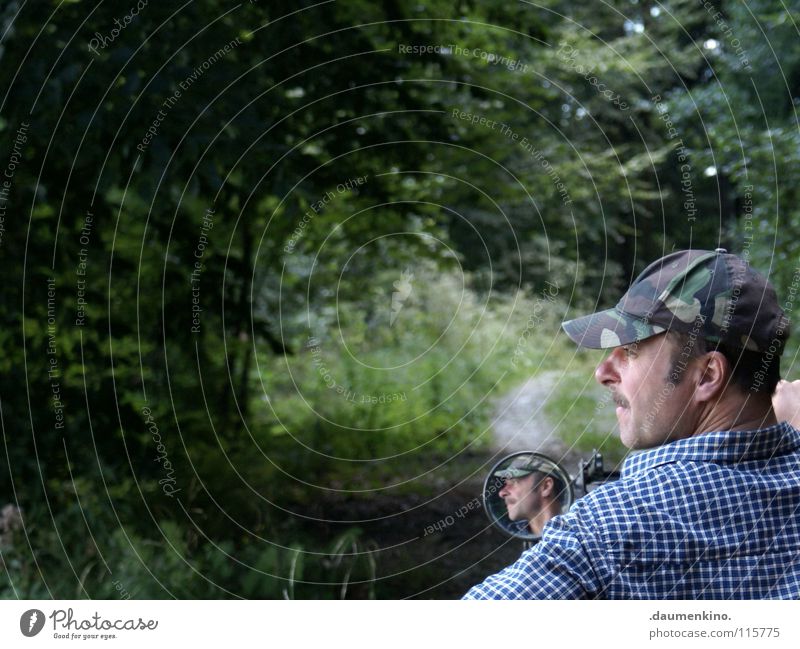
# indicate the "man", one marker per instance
pixel 711 507
pixel 531 494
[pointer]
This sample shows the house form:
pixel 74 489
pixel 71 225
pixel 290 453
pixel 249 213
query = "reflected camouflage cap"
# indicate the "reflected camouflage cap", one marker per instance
pixel 713 294
pixel 520 467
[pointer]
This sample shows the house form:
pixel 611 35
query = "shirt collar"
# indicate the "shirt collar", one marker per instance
pixel 720 446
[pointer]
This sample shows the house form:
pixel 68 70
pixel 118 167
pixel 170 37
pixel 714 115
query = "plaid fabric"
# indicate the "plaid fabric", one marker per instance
pixel 710 517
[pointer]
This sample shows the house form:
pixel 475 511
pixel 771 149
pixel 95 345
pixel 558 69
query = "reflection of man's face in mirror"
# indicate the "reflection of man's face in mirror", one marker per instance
pixel 532 497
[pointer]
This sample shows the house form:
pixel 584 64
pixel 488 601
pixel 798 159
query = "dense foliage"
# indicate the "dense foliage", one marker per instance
pixel 268 263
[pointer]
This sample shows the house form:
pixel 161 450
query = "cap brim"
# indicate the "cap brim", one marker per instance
pixel 512 473
pixel 609 328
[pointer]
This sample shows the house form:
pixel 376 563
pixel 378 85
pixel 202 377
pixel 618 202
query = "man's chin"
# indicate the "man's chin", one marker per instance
pixel 630 440
pixel 637 442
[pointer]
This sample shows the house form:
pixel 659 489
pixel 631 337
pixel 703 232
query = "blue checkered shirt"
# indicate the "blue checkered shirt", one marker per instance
pixel 715 516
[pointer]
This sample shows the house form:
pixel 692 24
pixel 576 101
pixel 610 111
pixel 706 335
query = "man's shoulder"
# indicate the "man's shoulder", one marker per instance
pixel 631 500
pixel 667 487
pixel 720 446
pixel 637 483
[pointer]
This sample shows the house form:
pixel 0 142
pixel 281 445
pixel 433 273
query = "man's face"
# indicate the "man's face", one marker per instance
pixel 522 497
pixel 651 408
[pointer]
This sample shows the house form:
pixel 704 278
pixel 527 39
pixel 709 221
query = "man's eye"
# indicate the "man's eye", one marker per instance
pixel 629 352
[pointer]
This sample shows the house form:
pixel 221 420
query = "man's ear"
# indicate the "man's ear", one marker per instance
pixel 714 373
pixel 548 486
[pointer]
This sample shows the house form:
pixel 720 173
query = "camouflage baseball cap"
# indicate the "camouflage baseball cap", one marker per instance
pixel 520 467
pixel 713 294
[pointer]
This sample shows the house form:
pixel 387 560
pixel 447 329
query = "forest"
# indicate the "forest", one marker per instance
pixel 272 269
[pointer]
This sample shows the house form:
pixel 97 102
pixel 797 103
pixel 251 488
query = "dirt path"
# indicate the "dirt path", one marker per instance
pixel 520 422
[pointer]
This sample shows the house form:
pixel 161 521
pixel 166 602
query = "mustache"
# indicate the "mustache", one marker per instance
pixel 620 400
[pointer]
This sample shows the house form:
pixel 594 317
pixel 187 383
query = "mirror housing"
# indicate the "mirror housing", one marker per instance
pixel 591 474
pixel 535 468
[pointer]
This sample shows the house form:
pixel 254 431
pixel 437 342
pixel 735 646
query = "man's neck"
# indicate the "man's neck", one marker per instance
pixel 738 412
pixel 537 523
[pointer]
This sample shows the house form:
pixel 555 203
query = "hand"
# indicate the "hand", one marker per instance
pixel 786 402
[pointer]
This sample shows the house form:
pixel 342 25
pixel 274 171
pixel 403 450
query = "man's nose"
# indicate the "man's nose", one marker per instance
pixel 504 491
pixel 607 373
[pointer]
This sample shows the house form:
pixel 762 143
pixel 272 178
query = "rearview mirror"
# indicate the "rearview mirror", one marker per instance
pixel 523 491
